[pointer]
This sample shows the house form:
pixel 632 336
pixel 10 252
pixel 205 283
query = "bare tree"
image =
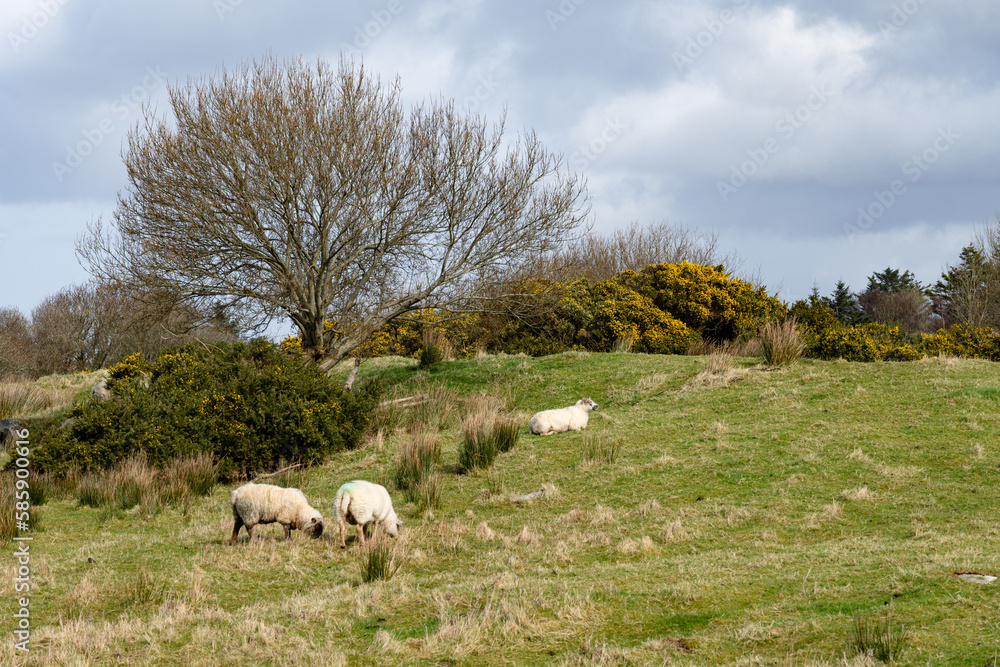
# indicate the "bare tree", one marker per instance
pixel 17 352
pixel 284 189
pixel 600 257
pixel 95 324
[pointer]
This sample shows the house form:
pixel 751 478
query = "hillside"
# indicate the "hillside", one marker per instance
pixel 750 516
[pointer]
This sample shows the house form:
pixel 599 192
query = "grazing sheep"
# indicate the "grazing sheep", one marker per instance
pixel 573 418
pixel 361 503
pixel 266 503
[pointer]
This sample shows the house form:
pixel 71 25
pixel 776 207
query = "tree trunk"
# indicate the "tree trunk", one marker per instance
pixel 352 374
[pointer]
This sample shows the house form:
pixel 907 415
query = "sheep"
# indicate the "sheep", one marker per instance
pixel 266 503
pixel 573 418
pixel 361 503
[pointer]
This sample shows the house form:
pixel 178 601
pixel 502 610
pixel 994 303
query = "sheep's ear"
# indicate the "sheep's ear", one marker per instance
pixel 399 522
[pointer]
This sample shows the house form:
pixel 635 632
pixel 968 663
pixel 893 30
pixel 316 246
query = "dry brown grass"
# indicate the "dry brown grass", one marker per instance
pixel 134 483
pixel 43 396
pixel 749 348
pixel 781 343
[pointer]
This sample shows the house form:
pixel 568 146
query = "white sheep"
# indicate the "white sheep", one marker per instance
pixel 266 503
pixel 573 418
pixel 361 503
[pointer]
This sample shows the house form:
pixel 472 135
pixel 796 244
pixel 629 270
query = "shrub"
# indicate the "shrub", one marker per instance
pixel 780 342
pixel 246 404
pixel 849 343
pixel 814 315
pixel 624 313
pixel 963 341
pixel 902 353
pixel 706 299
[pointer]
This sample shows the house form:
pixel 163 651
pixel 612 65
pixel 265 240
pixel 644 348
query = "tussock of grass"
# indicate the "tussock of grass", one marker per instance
pixel 380 560
pixel 414 463
pixel 781 343
pixel 8 515
pixel 624 344
pixel 135 483
pixel 484 437
pixel 479 448
pixel 600 448
pixel 20 400
pixel 878 637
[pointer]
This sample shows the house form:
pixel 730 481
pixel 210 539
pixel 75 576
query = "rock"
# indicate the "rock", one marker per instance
pixel 68 423
pixel 7 429
pixel 100 392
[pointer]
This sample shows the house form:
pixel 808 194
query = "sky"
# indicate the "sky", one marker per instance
pixel 822 141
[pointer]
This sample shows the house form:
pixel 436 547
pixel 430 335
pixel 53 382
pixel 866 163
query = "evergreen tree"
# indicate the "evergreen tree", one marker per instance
pixel 845 304
pixel 892 281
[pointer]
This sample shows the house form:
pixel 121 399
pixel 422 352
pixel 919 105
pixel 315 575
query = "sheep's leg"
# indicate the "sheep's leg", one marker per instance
pixel 361 535
pixel 237 524
pixel 250 532
pixel 288 532
pixel 343 529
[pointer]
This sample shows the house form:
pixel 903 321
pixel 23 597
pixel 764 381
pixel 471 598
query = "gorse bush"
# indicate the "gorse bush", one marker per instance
pixel 247 405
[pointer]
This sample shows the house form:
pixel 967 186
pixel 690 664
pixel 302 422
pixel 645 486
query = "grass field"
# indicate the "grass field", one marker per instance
pixel 750 517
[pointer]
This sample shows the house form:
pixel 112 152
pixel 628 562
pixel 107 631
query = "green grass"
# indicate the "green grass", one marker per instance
pixel 747 519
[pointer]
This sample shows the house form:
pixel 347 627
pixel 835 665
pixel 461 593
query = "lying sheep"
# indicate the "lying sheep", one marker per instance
pixel 573 418
pixel 266 503
pixel 361 503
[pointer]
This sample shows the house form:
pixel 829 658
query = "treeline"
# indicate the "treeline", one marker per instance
pixel 94 325
pixel 654 288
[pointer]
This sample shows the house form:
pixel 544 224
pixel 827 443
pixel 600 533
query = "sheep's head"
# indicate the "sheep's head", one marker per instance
pixel 392 524
pixel 312 523
pixel 587 403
